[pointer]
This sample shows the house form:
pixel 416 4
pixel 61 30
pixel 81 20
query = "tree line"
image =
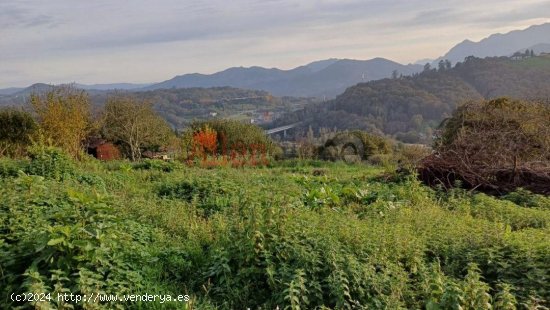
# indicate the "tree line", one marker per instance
pixel 65 117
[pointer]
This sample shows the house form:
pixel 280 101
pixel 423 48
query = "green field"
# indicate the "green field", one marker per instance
pixel 298 235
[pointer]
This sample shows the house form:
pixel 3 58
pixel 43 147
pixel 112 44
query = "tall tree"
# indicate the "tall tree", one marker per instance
pixel 64 117
pixel 135 125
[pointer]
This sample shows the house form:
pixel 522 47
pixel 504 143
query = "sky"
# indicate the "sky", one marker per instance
pixel 143 41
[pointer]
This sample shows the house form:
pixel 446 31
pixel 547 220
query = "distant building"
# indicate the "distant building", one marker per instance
pixel 102 149
pixel 267 117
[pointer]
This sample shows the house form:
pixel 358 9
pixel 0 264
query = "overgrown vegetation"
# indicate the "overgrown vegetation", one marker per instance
pixel 296 235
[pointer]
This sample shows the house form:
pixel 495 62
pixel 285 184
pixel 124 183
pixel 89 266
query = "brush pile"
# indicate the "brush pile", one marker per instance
pixel 495 146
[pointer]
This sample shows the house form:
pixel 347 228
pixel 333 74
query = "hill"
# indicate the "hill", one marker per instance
pixel 183 105
pixel 538 48
pixel 326 78
pixel 501 44
pixel 410 108
pixel 113 86
pixel 9 91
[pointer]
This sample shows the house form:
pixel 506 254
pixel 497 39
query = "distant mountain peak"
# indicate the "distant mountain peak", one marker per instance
pixel 500 44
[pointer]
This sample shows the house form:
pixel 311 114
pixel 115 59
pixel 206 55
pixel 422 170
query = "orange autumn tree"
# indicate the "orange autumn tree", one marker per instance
pixel 205 142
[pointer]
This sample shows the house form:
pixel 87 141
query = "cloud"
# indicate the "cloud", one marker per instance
pixel 20 16
pixel 526 12
pixel 143 40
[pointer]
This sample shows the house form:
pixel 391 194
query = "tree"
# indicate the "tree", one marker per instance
pixel 394 74
pixel 64 117
pixel 135 125
pixel 16 129
pixel 532 53
pixel 441 65
pixel 448 64
pixel 427 67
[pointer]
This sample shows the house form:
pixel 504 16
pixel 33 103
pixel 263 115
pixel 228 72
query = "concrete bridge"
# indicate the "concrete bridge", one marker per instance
pixel 282 128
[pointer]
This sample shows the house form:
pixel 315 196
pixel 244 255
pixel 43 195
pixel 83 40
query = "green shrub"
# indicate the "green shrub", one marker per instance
pixel 156 164
pixel 17 129
pixel 49 162
pixel 11 168
pixel 527 199
pixel 64 241
pixel 381 159
pixel 210 196
pixel 92 180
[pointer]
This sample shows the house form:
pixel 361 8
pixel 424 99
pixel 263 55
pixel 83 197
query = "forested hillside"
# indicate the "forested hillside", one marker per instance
pixel 183 105
pixel 409 108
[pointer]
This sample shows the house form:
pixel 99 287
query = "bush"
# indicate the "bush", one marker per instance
pixel 92 180
pixel 360 143
pixel 156 164
pixel 16 131
pixel 210 196
pixel 64 241
pixel 233 135
pixel 527 199
pixel 381 159
pixel 410 155
pixel 11 168
pixel 49 162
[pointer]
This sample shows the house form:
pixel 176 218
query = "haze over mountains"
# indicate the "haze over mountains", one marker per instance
pixel 326 78
pixel 331 77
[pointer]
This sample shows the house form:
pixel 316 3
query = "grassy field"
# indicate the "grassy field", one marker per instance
pixel 298 235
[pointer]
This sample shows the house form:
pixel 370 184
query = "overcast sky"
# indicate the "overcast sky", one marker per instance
pixel 105 41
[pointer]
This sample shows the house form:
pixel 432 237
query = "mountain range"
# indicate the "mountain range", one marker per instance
pixel 331 77
pixel 536 37
pixel 15 91
pixel 326 78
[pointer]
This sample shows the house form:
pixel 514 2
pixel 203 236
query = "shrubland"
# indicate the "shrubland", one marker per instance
pixel 231 228
pixel 295 234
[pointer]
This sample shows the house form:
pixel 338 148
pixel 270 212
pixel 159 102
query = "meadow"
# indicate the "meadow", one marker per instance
pixel 291 235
